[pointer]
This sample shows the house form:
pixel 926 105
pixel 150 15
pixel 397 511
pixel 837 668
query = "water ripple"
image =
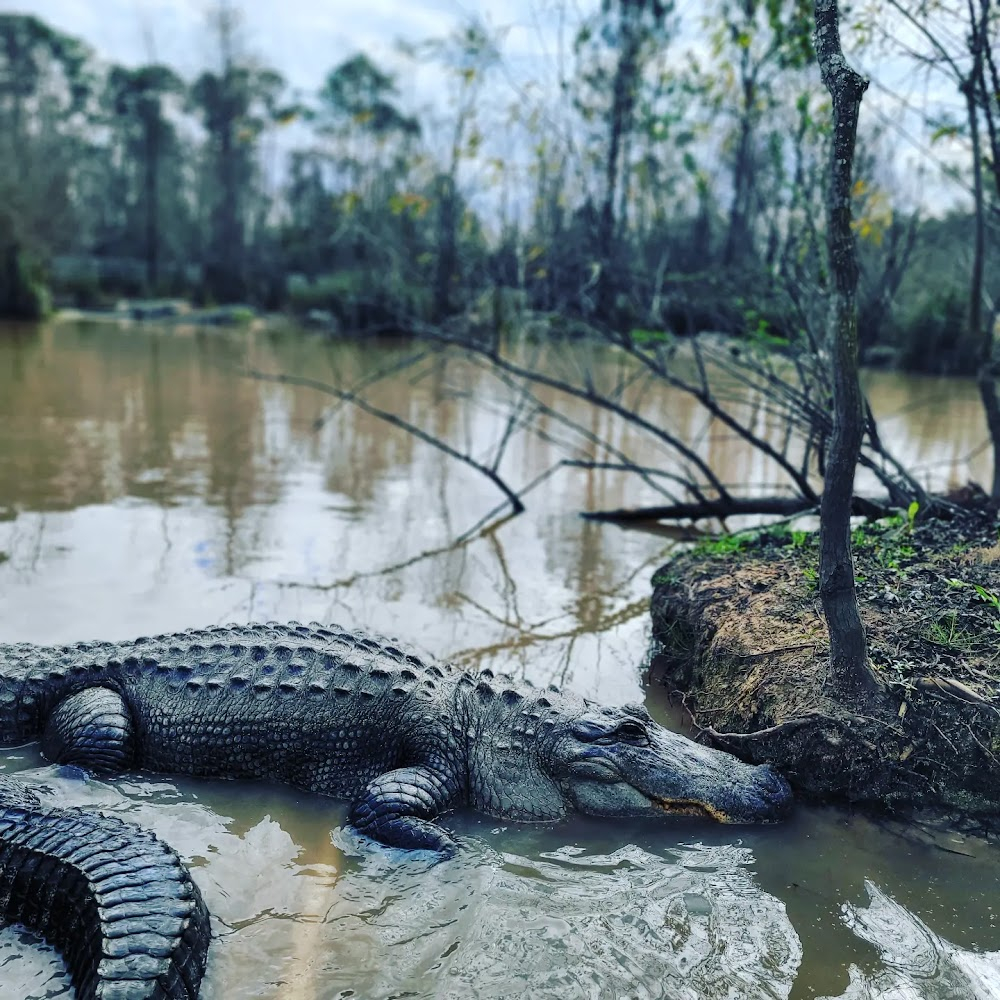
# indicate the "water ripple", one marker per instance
pixel 917 964
pixel 565 924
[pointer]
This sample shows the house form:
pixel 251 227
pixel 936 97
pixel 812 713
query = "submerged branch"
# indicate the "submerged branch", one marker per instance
pixel 732 507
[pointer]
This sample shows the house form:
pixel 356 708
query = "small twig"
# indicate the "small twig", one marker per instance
pixel 782 727
pixel 989 753
pixel 945 738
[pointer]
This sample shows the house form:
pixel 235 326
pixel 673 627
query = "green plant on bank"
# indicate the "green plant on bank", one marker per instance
pixel 802 542
pixel 888 542
pixel 801 539
pixel 240 315
pixel 760 332
pixel 724 545
pixel 946 632
pixel 989 597
pixel 650 338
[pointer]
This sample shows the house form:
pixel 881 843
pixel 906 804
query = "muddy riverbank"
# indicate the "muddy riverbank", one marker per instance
pixel 743 646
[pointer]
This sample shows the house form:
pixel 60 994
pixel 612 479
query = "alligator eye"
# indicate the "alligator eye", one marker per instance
pixel 632 732
pixel 600 733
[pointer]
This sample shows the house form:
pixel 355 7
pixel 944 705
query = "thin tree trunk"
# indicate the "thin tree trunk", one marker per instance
pixel 446 245
pixel 152 126
pixel 738 238
pixel 973 89
pixel 622 106
pixel 229 234
pixel 447 221
pixel 849 667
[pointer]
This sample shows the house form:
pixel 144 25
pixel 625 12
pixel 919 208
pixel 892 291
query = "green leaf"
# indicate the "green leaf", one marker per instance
pixel 944 132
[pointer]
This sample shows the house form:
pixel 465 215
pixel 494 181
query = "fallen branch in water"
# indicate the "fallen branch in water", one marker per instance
pixel 730 507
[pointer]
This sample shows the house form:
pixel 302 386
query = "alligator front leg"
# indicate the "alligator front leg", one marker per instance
pixel 397 807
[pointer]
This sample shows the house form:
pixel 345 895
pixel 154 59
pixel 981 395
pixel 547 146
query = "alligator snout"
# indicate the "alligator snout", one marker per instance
pixel 774 791
pixel 761 795
pixel 701 780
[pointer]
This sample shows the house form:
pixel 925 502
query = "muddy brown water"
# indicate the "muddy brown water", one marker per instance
pixel 145 486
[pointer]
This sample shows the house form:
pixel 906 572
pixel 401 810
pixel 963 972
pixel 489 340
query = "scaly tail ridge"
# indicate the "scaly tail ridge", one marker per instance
pixel 116 901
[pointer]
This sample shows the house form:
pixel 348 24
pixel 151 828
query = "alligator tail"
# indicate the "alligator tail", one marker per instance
pixel 116 901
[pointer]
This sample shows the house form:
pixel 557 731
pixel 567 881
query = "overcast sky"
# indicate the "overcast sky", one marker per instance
pixel 303 39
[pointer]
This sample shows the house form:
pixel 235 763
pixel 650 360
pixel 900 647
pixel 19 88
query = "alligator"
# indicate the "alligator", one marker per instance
pixel 361 717
pixel 115 900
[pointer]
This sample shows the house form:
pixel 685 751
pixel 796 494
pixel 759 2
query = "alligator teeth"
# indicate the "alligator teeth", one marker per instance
pixel 689 807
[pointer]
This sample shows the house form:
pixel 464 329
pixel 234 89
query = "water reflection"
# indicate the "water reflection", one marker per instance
pixel 296 915
pixel 145 487
pixel 916 963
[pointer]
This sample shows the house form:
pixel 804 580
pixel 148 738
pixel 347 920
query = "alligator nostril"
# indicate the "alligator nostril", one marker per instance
pixel 774 787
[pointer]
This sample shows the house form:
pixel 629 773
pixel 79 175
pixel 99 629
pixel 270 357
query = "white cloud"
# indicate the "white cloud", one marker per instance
pixel 301 38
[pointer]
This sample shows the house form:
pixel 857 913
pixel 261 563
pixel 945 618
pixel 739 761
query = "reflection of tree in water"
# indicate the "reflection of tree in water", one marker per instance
pixel 359 449
pixel 50 445
pixel 88 415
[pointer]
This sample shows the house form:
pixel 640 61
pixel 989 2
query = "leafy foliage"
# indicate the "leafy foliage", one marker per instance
pixel 665 189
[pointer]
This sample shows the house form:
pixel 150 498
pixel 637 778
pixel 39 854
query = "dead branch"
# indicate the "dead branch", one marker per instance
pixel 516 505
pixel 732 507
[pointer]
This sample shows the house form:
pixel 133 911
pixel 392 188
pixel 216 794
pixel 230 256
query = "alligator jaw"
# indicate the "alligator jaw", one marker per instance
pixel 690 807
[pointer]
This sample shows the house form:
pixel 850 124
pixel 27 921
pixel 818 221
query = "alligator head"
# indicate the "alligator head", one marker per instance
pixel 618 762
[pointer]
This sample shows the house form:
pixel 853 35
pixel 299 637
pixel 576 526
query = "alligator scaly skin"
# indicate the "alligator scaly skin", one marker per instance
pixel 116 901
pixel 320 709
pixel 337 712
pixel 361 717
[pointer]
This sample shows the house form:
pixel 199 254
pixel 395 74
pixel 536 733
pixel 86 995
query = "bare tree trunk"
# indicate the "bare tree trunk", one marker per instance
pixel 152 196
pixel 227 283
pixel 620 124
pixel 849 667
pixel 738 242
pixel 229 232
pixel 447 256
pixel 975 91
pixel 447 219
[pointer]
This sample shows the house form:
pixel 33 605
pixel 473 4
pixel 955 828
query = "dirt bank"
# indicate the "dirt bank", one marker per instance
pixel 744 648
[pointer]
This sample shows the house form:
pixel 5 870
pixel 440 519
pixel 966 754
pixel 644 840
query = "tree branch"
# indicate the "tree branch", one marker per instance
pixel 513 499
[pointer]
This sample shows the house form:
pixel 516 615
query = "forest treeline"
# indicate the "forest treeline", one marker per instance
pixel 671 180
